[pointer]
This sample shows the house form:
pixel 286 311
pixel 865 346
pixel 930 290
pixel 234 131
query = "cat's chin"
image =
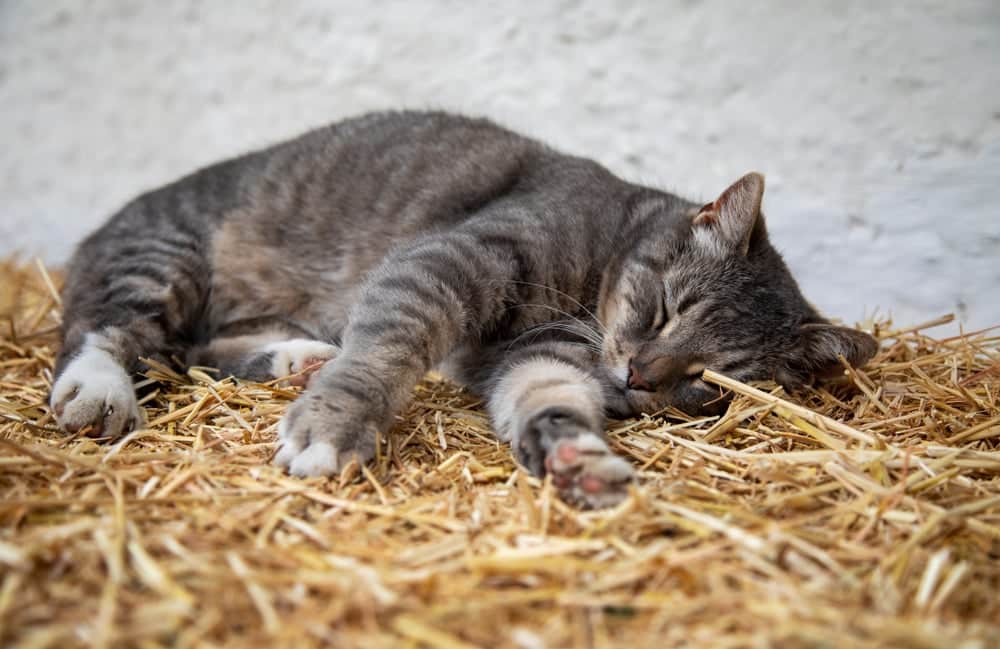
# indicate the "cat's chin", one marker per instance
pixel 619 406
pixel 621 402
pixel 626 404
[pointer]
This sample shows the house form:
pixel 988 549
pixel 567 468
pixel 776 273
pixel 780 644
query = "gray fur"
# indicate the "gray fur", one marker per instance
pixel 415 239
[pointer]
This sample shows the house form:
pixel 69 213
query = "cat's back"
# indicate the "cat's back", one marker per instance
pixel 376 159
pixel 312 215
pixel 368 181
pixel 396 167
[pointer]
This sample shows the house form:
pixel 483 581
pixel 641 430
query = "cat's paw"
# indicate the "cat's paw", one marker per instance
pixel 95 393
pixel 299 359
pixel 587 473
pixel 317 439
pixel 560 442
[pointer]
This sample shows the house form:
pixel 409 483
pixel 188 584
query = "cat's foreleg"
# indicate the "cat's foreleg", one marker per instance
pixel 424 300
pixel 547 403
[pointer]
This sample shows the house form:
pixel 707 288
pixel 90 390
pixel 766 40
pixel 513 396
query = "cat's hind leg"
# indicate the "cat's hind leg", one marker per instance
pixel 94 392
pixel 265 356
pixel 126 298
pixel 546 402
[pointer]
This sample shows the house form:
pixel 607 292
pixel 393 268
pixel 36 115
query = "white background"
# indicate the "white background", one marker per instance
pixel 876 123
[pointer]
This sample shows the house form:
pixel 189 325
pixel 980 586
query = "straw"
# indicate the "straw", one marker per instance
pixel 862 514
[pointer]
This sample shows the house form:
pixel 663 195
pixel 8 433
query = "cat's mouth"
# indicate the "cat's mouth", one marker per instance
pixel 621 402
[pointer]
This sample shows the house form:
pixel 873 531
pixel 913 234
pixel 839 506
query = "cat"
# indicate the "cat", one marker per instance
pixel 386 245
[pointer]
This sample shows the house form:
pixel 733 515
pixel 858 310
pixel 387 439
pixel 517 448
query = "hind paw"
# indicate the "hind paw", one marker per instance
pixel 297 360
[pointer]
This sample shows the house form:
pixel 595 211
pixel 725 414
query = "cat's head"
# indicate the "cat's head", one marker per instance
pixel 707 290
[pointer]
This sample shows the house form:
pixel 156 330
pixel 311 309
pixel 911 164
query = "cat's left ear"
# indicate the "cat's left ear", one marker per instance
pixel 818 350
pixel 727 223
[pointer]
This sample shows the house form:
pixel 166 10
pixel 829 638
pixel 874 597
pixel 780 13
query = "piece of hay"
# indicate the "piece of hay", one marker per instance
pixel 856 516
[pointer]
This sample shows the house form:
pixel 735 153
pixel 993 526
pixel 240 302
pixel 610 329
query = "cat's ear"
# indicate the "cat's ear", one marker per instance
pixel 727 223
pixel 817 353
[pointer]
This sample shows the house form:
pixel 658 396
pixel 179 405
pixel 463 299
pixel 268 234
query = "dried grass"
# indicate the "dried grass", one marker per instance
pixel 856 516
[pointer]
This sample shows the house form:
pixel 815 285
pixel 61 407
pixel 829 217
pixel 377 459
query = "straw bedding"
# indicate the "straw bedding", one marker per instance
pixel 860 515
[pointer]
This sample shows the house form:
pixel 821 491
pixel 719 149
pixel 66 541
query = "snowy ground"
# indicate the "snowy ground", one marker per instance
pixel 877 124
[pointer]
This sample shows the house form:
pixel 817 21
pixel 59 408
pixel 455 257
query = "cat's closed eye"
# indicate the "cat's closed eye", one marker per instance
pixel 661 316
pixel 686 303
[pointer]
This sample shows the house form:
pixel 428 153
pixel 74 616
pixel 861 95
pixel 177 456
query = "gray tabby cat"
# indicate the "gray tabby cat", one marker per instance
pixel 394 243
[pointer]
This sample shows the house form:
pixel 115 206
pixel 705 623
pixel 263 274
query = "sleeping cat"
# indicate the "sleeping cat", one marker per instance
pixel 394 243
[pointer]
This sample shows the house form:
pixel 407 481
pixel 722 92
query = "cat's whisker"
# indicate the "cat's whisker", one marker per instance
pixel 580 330
pixel 537 331
pixel 572 299
pixel 591 343
pixel 598 334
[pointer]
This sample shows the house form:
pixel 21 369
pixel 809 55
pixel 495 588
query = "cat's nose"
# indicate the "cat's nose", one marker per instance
pixel 635 379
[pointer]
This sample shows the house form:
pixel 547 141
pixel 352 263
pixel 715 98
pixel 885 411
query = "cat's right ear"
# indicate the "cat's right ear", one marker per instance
pixel 726 224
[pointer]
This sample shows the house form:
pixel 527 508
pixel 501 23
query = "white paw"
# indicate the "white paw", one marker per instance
pixel 314 441
pixel 290 446
pixel 95 391
pixel 298 359
pixel 317 459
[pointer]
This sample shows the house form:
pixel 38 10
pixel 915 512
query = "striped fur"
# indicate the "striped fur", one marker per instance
pixel 396 242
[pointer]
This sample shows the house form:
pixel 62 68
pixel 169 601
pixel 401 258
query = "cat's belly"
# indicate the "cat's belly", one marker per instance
pixel 255 280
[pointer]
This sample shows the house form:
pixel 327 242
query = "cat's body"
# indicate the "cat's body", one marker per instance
pixel 397 242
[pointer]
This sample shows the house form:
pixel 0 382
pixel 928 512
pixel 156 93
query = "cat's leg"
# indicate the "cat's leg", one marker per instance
pixel 545 400
pixel 424 300
pixel 126 298
pixel 265 356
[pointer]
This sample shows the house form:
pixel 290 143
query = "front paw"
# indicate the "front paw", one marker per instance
pixel 319 438
pixel 587 473
pixel 94 394
pixel 562 443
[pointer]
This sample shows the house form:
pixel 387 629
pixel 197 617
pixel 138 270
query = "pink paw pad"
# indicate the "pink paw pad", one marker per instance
pixel 592 484
pixel 587 473
pixel 567 453
pixel 309 367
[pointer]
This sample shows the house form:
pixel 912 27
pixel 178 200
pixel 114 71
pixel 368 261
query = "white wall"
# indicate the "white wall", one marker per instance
pixel 877 123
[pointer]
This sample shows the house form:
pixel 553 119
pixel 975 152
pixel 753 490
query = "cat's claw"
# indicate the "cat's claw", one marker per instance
pixel 586 473
pixel 94 394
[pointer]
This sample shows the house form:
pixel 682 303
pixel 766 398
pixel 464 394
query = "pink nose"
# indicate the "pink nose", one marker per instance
pixel 635 380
